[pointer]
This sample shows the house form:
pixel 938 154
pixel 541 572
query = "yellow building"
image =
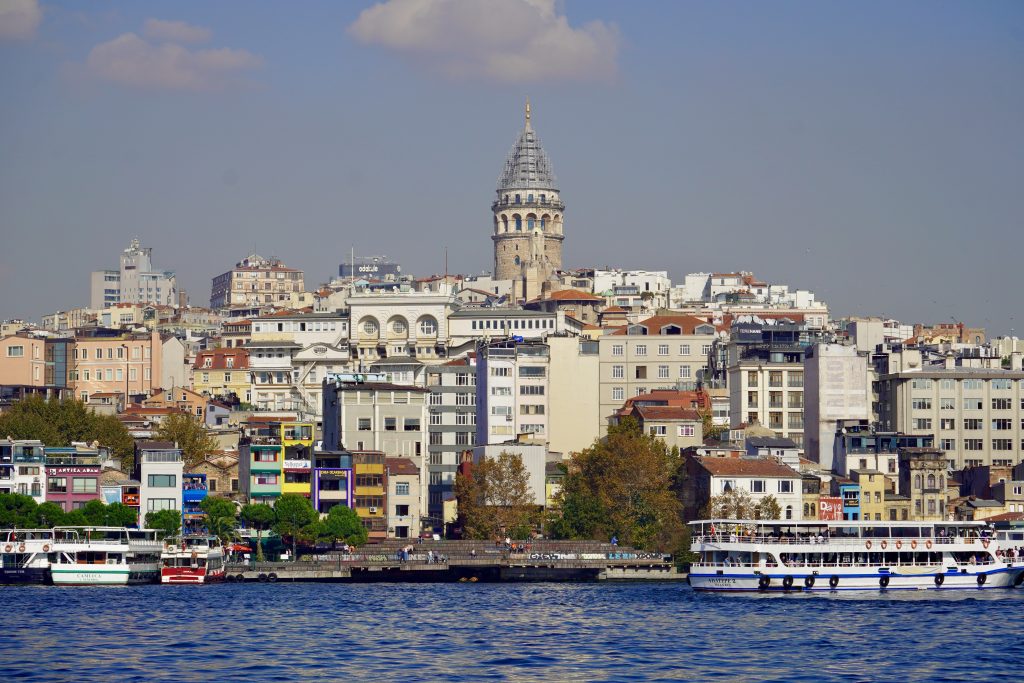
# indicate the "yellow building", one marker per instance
pixel 297 439
pixel 872 493
pixel 222 372
pixel 370 492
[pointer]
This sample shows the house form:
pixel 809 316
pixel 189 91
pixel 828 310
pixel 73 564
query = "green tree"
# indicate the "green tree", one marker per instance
pixel 624 485
pixel 119 514
pixel 95 512
pixel 220 516
pixel 49 515
pixel 168 521
pixel 736 503
pixel 58 423
pixel 17 511
pixel 258 516
pixel 495 498
pixel 192 437
pixel 343 524
pixel 293 513
pixel 768 508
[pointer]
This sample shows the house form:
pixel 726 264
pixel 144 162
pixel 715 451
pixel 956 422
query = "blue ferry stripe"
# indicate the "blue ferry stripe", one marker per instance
pixel 827 574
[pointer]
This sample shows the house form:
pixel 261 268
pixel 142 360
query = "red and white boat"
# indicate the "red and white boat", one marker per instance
pixel 192 559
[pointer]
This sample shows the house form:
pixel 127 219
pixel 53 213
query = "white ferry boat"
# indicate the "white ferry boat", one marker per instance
pixel 25 556
pixel 790 556
pixel 113 556
pixel 192 559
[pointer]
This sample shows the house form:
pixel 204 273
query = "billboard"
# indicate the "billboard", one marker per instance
pixel 830 508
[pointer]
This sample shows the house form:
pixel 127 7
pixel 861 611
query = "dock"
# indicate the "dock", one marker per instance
pixel 467 561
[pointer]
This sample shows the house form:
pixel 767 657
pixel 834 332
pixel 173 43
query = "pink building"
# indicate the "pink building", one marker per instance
pixel 72 476
pixel 125 362
pixel 22 360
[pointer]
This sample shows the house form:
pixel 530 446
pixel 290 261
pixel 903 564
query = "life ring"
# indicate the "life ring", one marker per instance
pixel 913 544
pixel 809 581
pixel 985 542
pixel 883 582
pixel 763 583
pixel 787 582
pixel 21 548
pixel 899 544
pixel 867 544
pixel 239 578
pixel 7 548
pixel 939 578
pixel 928 544
pixel 884 544
pixel 46 547
pixel 982 578
pixel 833 581
pixel 262 577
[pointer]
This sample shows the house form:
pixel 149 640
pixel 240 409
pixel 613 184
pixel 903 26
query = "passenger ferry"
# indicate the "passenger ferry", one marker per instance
pixel 113 556
pixel 784 555
pixel 192 559
pixel 26 556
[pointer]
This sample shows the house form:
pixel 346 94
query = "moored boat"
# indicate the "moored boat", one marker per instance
pixel 26 555
pixel 791 556
pixel 111 556
pixel 192 559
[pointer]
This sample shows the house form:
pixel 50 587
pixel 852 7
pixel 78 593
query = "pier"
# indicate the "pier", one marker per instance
pixel 468 561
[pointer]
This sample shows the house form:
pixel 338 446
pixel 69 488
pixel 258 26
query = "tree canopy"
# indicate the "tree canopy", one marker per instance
pixel 258 516
pixel 343 524
pixel 495 499
pixel 168 521
pixel 58 423
pixel 294 513
pixel 194 440
pixel 220 516
pixel 20 511
pixel 625 485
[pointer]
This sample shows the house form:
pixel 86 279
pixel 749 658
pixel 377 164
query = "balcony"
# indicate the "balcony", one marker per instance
pixel 193 495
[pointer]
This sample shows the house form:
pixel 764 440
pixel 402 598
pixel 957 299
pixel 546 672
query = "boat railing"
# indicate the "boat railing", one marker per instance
pixel 836 540
pixel 812 565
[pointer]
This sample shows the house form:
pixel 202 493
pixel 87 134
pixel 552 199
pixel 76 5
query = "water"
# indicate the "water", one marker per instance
pixel 471 632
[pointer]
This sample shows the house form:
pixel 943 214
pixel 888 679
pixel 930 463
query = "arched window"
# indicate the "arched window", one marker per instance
pixel 917 481
pixel 543 222
pixel 516 260
pixel 543 199
pixel 504 223
pixel 427 325
pixel 529 198
pixel 942 482
pixel 519 223
pixel 931 481
pixel 370 327
pixel 931 507
pixel 529 224
pixel 789 512
pixel 506 199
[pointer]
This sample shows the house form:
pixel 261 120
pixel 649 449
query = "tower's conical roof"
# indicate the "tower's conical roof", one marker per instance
pixel 527 166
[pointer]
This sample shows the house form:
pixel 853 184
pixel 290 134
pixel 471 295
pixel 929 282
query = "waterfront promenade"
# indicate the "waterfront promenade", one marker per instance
pixel 409 560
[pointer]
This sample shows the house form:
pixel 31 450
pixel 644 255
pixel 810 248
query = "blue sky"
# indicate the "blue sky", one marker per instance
pixel 870 152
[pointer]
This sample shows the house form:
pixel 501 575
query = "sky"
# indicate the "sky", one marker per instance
pixel 868 151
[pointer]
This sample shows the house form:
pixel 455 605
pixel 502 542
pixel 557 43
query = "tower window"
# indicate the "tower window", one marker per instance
pixel 529 224
pixel 543 224
pixel 519 199
pixel 519 221
pixel 543 199
pixel 529 198
pixel 517 260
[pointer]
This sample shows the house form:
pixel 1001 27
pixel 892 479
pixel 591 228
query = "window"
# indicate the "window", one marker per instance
pixel 501 372
pixel 973 444
pixel 752 376
pixel 401 488
pixel 162 480
pixel 57 485
pixel 795 380
pixel 684 349
pixel 363 424
pixel 922 383
pixel 663 372
pixel 686 430
pixel 1001 403
pixel 775 378
pixel 618 371
pixel 785 486
pixel 641 372
pixel 973 384
pixel 464 418
pixel 427 326
pixel 532 371
pixel 466 399
pixel 1002 444
pixel 435 418
pixel 921 404
pixel 411 424
pixel 154 504
pixel 684 372
pixel 617 349
pixel 462 438
pixel 947 444
pixel 641 349
pixel 15 351
pixel 947 404
pixel 658 430
pixel 618 394
pixel 435 440
pixel 972 424
pixel 390 424
pixel 947 424
pixel 1002 424
pixel 922 423
pixel 531 409
pixel 83 485
pixel 266 479
pixel 757 486
pixel 1002 384
pixel 531 390
pixel 662 349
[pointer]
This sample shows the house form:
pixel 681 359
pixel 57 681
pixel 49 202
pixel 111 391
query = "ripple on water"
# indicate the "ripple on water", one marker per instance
pixel 460 632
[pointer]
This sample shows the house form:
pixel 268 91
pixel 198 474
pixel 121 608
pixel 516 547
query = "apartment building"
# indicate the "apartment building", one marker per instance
pixel 222 372
pixel 836 387
pixel 158 468
pixel 923 477
pixel 662 352
pixel 976 414
pixel 511 391
pixel 111 361
pixel 23 468
pixel 255 281
pixel 136 281
pixel 452 427
pixel 72 476
pixel 403 505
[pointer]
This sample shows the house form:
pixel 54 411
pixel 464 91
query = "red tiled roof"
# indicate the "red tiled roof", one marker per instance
pixel 746 467
pixel 218 359
pixel 614 309
pixel 667 413
pixel 654 324
pixel 1006 517
pixel 569 295
pixel 401 466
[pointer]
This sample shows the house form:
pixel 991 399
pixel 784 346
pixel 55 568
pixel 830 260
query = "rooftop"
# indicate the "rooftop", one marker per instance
pixel 746 467
pixel 527 165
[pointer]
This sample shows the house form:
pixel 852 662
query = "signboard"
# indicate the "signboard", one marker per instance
pixel 830 508
pixel 72 470
pixel 296 464
pixel 334 474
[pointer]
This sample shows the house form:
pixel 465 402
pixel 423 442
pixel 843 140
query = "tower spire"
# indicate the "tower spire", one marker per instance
pixel 527 113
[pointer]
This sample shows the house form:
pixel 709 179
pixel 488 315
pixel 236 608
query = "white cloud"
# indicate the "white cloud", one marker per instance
pixel 175 31
pixel 132 61
pixel 19 18
pixel 517 41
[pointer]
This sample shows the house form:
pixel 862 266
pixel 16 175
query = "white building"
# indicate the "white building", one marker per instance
pixel 534 457
pixel 760 477
pixel 135 281
pixel 511 391
pixel 836 387
pixel 633 289
pixel 159 467
pixel 403 482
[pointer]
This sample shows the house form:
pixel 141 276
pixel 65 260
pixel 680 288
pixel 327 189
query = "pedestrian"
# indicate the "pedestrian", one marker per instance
pixel 615 540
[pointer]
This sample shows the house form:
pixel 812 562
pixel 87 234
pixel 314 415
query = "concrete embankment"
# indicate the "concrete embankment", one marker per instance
pixel 469 561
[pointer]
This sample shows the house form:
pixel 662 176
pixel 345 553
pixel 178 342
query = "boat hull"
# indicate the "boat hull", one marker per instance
pixel 11 576
pixel 104 575
pixel 187 575
pixel 860 579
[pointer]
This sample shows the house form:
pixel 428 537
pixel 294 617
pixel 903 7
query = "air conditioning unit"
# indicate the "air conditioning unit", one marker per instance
pixel 373 511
